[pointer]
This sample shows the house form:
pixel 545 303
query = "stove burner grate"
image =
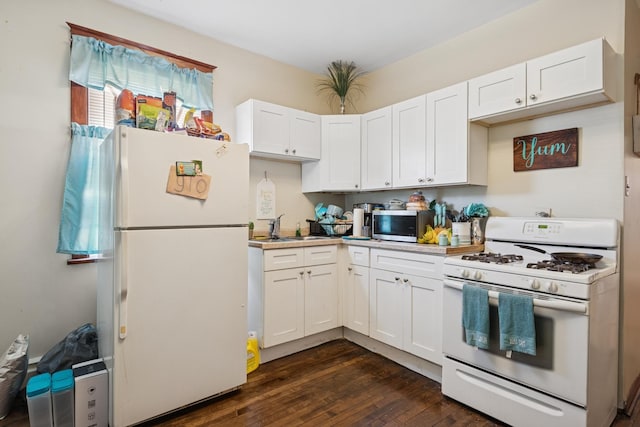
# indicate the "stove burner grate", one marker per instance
pixel 494 258
pixel 556 265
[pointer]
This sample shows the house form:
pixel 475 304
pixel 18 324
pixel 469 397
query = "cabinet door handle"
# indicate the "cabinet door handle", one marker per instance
pixel 286 151
pixel 293 151
pixel 397 279
pixel 301 273
pixel 387 183
pixel 349 269
pixel 429 179
pixel 420 180
pixel 518 101
pixel 356 185
pixel 405 280
pixel 309 272
pixel 533 97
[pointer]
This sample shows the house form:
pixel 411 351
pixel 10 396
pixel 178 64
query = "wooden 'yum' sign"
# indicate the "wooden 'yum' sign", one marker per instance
pixel 557 149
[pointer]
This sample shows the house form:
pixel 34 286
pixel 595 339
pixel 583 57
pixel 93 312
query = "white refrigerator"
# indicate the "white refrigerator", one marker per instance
pixel 172 289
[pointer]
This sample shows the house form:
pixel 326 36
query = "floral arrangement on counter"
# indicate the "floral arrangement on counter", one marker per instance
pixel 474 210
pixel 442 216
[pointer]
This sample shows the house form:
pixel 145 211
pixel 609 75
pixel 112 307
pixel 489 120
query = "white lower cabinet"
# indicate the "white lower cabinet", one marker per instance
pixel 422 332
pixel 386 296
pixel 356 292
pixel 405 302
pixel 283 306
pixel 320 298
pixel 292 293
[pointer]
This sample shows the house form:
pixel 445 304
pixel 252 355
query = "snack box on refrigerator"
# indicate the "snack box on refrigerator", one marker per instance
pixel 91 381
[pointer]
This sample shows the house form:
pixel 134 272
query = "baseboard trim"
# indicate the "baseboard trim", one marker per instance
pixel 633 397
pixel 282 350
pixel 408 360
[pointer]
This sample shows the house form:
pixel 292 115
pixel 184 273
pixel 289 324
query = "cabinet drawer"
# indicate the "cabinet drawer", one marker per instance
pixel 359 256
pixel 278 259
pixel 407 262
pixel 317 255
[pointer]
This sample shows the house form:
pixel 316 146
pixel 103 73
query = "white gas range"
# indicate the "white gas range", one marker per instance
pixel 572 379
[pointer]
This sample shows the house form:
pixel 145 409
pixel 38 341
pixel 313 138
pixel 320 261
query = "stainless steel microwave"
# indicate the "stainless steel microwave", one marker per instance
pixel 400 225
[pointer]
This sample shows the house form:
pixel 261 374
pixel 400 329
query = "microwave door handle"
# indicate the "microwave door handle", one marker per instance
pixel 573 307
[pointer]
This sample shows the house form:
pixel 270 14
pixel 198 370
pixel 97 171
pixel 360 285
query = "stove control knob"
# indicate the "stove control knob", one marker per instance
pixel 552 287
pixel 464 273
pixel 477 275
pixel 533 283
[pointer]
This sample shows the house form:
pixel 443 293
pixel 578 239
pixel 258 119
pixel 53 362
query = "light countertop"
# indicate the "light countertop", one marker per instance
pixel 379 244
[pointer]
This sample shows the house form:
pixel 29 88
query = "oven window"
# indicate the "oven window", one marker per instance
pixel 396 225
pixel 544 341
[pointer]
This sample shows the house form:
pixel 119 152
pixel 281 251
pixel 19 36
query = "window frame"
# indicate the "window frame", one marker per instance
pixel 80 94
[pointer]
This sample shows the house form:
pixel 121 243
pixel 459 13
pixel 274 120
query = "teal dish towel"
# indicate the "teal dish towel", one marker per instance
pixel 517 326
pixel 475 315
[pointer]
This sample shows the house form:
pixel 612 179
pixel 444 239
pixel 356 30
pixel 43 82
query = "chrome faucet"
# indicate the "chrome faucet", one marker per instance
pixel 274 227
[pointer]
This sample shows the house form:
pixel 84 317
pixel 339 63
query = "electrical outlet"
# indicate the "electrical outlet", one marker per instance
pixel 542 212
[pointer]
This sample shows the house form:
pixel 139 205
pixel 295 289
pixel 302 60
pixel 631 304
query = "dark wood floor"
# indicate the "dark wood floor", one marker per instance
pixel 336 384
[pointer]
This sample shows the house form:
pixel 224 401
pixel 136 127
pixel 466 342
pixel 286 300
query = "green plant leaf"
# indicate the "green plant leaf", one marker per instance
pixel 341 81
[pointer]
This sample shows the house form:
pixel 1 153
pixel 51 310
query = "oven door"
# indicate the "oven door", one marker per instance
pixel 562 326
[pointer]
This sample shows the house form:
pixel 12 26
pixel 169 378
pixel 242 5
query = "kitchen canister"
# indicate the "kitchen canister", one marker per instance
pixel 39 400
pixel 463 230
pixel 62 398
pixel 477 230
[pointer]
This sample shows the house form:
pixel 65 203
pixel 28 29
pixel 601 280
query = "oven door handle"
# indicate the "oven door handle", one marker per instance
pixel 574 307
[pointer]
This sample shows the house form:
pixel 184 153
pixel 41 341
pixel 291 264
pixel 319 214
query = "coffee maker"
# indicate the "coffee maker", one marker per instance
pixel 368 209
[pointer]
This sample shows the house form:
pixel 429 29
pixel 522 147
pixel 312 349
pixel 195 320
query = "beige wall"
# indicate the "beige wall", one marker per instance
pixel 42 296
pixel 39 294
pixel 543 27
pixel 630 295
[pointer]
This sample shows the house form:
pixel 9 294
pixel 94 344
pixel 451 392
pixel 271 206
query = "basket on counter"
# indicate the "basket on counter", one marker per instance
pixel 339 229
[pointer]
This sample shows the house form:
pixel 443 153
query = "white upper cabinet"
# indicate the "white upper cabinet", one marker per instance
pixel 456 150
pixel 339 167
pixel 409 143
pixel 500 91
pixel 376 150
pixel 304 140
pixel 571 78
pixel 275 131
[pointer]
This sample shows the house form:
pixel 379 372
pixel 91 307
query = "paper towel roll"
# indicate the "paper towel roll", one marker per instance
pixel 358 221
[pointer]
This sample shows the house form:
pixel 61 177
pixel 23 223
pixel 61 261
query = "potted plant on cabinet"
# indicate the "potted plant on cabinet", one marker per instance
pixel 341 82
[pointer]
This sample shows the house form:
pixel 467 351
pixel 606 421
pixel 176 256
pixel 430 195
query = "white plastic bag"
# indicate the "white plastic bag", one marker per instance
pixel 13 369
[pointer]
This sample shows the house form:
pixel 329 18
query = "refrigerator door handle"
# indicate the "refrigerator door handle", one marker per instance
pixel 124 181
pixel 124 286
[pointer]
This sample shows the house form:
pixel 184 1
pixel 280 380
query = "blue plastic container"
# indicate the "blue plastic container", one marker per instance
pixel 62 398
pixel 39 400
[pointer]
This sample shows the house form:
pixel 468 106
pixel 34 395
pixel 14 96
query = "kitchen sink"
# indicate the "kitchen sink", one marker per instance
pixel 302 238
pixel 295 239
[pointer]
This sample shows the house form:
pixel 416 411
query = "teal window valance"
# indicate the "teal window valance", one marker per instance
pixel 95 63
